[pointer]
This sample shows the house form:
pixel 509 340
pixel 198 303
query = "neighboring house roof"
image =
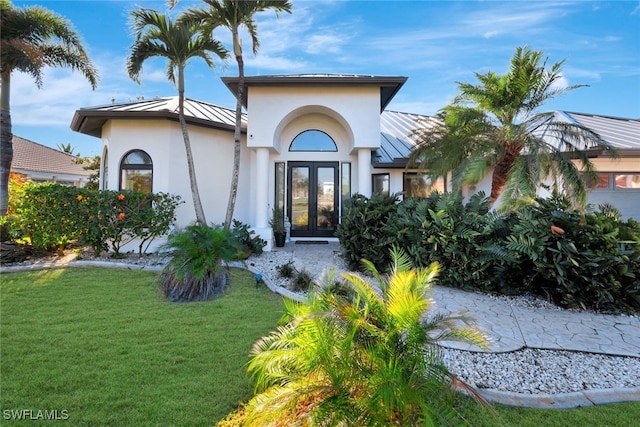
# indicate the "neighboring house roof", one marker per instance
pixel 90 120
pixel 389 85
pixel 622 134
pixel 31 157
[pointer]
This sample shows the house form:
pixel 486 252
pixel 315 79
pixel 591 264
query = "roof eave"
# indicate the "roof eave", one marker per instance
pixel 90 122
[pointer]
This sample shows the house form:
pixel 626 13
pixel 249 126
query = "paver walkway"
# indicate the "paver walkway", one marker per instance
pixel 510 327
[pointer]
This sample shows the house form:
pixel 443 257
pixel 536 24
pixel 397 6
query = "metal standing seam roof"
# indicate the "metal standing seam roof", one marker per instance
pixel 397 139
pixel 33 157
pixel 621 133
pixel 90 120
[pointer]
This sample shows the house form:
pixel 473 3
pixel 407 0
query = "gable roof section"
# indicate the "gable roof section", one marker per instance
pixel 30 156
pixel 90 120
pixel 389 85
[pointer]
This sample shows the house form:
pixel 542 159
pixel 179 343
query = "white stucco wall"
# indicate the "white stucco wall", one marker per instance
pixel 270 109
pixel 162 141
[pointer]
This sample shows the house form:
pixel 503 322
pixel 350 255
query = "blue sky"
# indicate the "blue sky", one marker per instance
pixel 433 43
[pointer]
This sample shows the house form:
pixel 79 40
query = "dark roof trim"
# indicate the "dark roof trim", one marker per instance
pixel 389 85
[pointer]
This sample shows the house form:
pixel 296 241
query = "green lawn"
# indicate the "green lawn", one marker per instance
pixel 105 347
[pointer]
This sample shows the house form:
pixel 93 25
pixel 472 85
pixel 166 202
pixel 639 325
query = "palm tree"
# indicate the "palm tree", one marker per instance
pixel 32 38
pixel 495 127
pixel 178 41
pixel 363 355
pixel 235 14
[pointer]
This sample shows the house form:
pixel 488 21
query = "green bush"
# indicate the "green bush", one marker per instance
pixel 363 231
pixel 195 271
pixel 52 215
pixel 251 244
pixel 545 248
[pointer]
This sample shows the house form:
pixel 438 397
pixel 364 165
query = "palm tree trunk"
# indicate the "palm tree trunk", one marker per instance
pixel 236 147
pixel 501 174
pixel 195 194
pixel 6 141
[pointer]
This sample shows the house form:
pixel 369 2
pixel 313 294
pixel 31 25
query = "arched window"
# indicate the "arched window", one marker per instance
pixel 313 140
pixel 105 169
pixel 136 172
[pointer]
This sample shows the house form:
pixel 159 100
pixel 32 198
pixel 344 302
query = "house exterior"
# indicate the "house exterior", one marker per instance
pixel 39 163
pixel 308 143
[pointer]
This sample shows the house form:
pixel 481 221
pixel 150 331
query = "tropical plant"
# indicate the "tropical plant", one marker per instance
pixel 359 358
pixel 195 271
pixel 178 41
pixel 235 14
pixel 251 243
pixel 276 222
pixel 364 232
pixel 495 127
pixel 31 39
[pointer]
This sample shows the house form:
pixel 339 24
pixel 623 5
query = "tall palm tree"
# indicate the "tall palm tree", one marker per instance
pixel 495 127
pixel 32 38
pixel 178 41
pixel 235 14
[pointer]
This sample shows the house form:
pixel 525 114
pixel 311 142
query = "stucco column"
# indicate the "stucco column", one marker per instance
pixel 364 171
pixel 261 202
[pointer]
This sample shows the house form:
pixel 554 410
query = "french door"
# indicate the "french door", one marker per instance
pixel 312 202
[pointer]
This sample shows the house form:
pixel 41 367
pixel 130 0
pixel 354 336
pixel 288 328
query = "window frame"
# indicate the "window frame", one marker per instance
pixel 303 150
pixel 135 167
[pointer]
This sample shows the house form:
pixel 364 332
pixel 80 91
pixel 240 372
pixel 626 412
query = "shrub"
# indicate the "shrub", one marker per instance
pixel 363 231
pixel 52 215
pixel 302 281
pixel 251 244
pixel 544 248
pixel 358 359
pixel 287 270
pixel 195 271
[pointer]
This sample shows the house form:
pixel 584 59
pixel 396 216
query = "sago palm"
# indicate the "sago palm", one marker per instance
pixel 495 127
pixel 234 15
pixel 363 357
pixel 31 39
pixel 158 35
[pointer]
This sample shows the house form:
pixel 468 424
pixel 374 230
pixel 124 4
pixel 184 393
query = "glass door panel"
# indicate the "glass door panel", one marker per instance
pixel 325 198
pixel 299 199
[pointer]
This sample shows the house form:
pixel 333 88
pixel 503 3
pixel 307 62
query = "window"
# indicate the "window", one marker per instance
pixel 345 186
pixel 279 185
pixel 380 183
pixel 105 173
pixel 136 172
pixel 313 140
pixel 627 181
pixel 608 181
pixel 419 185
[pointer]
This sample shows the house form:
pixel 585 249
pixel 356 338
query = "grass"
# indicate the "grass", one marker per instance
pixel 107 348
